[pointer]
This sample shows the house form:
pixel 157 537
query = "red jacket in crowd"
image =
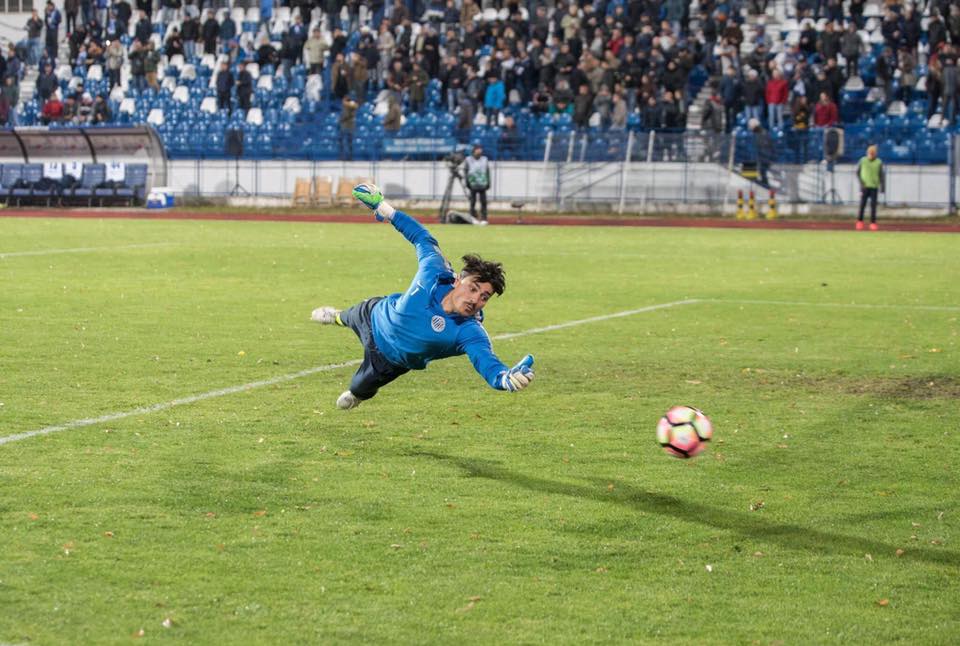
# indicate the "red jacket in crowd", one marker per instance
pixel 825 114
pixel 777 91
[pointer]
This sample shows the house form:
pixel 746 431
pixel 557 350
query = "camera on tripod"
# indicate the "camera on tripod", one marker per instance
pixel 454 161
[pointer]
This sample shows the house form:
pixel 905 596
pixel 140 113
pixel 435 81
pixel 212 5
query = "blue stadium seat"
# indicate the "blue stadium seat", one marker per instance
pixel 31 174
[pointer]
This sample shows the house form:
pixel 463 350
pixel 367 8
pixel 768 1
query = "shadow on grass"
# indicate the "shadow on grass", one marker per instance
pixel 750 526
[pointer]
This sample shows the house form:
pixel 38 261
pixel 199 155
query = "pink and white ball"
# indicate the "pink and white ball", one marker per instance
pixel 684 431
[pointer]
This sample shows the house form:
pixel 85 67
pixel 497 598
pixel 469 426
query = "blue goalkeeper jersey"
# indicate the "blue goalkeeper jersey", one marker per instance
pixel 411 329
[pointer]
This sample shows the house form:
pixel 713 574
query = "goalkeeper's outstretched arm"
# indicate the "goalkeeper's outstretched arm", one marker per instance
pixel 428 250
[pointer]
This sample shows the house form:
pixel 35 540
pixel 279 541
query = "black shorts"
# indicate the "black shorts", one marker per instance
pixel 375 371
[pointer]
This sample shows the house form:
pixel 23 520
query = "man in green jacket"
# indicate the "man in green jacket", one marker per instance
pixel 871 176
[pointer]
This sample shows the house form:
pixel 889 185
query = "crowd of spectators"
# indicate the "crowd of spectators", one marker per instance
pixel 600 62
pixel 899 56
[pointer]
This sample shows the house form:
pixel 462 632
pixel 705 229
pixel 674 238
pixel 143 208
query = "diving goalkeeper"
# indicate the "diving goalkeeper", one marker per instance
pixel 440 315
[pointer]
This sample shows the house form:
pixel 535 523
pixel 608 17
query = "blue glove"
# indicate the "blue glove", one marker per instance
pixel 519 376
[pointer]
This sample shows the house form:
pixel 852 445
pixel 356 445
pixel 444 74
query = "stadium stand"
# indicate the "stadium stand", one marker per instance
pixel 508 75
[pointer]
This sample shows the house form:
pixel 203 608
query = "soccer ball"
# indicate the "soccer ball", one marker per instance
pixel 683 432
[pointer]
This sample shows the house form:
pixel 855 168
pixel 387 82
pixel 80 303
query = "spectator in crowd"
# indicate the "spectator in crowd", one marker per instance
pixel 225 83
pixel 386 45
pixel 115 57
pixel 673 118
pixel 618 113
pixel 582 106
pixel 136 58
pixel 949 74
pixel 825 114
pixel 52 20
pixel 210 32
pixel 394 117
pixel 851 47
pixel 417 87
pixel 315 52
pixel 267 53
pixel 478 181
pixel 76 42
pixel 227 30
pixel 348 123
pixel 800 111
pixel 34 29
pixel 493 99
pixel 174 44
pixel 340 77
pixel 730 92
pixel 451 78
pixel 52 111
pixel 359 75
pixel 886 72
pixel 244 86
pixel 872 181
pixel 143 29
pixel 11 93
pixel 101 110
pixel 652 115
pixel 70 9
pixel 4 109
pixel 753 91
pixel 151 62
pixel 46 83
pixel 190 32
pixel 776 93
pixel 908 74
pixel 290 53
pixel 711 120
pixel 763 145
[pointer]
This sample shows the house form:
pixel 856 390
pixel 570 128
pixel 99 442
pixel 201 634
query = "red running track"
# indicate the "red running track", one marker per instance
pixel 715 223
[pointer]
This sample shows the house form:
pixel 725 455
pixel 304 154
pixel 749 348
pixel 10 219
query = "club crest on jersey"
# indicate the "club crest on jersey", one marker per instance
pixel 438 323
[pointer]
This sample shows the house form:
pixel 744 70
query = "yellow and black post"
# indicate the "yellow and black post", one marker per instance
pixel 772 205
pixel 752 206
pixel 740 213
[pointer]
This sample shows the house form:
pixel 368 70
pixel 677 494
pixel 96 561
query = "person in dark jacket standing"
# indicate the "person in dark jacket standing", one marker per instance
pixel 244 87
pixel 765 152
pixel 52 21
pixel 225 83
pixel 143 29
pixel 730 92
pixel 210 31
pixel 34 30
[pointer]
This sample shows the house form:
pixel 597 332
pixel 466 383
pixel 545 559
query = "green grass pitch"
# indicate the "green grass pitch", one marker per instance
pixel 825 511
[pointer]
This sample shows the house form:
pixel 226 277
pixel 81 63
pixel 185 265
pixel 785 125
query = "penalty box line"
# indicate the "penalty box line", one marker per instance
pixel 231 390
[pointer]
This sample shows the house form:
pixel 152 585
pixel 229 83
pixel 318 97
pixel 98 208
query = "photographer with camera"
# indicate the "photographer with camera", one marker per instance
pixel 478 181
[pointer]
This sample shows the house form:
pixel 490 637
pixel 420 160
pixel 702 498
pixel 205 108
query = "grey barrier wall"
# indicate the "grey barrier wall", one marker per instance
pixel 616 186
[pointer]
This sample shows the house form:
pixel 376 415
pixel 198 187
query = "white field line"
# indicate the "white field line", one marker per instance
pixel 155 408
pixel 866 306
pixel 46 252
pixel 595 319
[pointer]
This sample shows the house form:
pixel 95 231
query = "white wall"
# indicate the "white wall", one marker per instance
pixel 527 181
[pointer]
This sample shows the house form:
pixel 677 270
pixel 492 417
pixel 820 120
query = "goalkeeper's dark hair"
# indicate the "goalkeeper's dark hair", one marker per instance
pixel 484 271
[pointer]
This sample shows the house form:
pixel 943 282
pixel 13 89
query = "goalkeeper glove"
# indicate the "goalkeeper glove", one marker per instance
pixel 519 376
pixel 372 198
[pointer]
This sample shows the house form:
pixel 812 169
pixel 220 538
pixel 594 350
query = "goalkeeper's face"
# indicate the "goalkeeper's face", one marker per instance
pixel 469 296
